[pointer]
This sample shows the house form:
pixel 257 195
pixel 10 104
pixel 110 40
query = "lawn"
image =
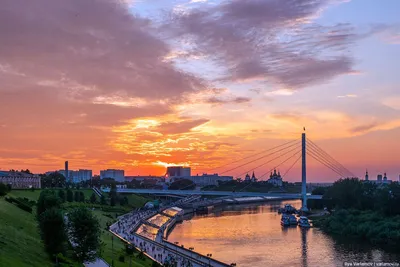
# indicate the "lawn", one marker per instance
pixel 31 195
pixel 34 195
pixel 20 243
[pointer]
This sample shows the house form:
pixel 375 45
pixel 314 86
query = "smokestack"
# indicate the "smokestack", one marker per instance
pixel 66 171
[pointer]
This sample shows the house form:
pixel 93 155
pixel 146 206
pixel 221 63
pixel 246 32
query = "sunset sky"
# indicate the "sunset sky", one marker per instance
pixel 140 84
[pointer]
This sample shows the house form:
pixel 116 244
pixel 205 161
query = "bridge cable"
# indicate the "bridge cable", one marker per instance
pixel 253 155
pixel 326 165
pixel 329 159
pixel 280 163
pixel 329 156
pixel 338 171
pixel 312 144
pixel 294 163
pixel 287 152
pixel 249 162
pixel 273 168
pixel 311 150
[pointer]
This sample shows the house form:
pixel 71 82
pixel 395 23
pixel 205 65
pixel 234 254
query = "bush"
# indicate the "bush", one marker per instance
pixel 20 204
pixel 3 189
pixel 141 256
pixel 121 258
pixel 61 258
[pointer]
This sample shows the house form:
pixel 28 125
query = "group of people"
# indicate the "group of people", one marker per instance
pixel 132 223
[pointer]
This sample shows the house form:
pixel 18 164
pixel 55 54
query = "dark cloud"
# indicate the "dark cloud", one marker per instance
pixel 269 40
pixel 94 46
pixel 235 100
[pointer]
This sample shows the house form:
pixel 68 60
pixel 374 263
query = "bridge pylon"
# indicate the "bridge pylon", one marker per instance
pixel 303 173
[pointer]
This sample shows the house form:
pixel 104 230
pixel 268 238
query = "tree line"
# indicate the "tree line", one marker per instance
pixel 362 209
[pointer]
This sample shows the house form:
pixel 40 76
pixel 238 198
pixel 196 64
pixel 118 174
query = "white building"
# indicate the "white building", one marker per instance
pixel 209 179
pixel 20 180
pixel 117 175
pixel 78 176
pixel 177 172
pixel 275 179
pixel 379 179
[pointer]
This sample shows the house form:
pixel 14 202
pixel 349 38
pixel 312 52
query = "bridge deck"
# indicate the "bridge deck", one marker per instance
pixel 278 196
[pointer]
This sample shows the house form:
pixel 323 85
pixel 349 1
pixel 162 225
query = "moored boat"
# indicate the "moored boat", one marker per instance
pixel 304 222
pixel 285 221
pixel 292 220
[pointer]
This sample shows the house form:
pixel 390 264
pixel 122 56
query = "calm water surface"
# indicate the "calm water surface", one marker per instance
pixel 251 235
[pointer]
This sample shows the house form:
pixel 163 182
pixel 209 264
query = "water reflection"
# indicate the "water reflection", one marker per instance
pixel 304 232
pixel 251 235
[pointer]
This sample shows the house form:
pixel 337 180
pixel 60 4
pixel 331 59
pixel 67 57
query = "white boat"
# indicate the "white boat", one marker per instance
pixel 303 222
pixel 287 209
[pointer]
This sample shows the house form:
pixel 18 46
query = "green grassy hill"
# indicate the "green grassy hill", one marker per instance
pixel 20 243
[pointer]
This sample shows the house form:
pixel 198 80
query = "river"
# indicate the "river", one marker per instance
pixel 251 236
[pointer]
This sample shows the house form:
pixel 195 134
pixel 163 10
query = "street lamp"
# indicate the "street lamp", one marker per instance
pixel 176 243
pixel 209 259
pixel 191 251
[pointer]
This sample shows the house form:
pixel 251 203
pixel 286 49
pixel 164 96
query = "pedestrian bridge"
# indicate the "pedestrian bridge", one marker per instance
pixel 277 196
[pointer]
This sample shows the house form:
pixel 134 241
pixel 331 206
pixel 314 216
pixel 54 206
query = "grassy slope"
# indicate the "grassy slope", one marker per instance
pixel 20 243
pixel 20 225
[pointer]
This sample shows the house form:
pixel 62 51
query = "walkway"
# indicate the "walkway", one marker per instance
pixel 98 263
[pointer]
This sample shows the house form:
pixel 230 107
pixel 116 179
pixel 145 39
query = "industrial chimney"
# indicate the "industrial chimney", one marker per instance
pixel 66 171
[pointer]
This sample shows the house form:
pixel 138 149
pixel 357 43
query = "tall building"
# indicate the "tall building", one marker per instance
pixel 366 175
pixel 177 172
pixel 117 175
pixel 208 179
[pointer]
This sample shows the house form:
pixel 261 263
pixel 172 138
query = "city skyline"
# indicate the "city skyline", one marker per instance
pixel 161 83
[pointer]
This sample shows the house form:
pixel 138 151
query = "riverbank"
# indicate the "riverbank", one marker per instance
pixel 365 225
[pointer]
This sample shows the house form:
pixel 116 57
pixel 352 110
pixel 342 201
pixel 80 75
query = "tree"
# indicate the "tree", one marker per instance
pixel 76 196
pixel 85 233
pixel 56 179
pixel 61 195
pixel 319 191
pixel 345 193
pixel 103 200
pixel 3 189
pixel 70 195
pixel 182 184
pixel 81 196
pixel 47 200
pixel 93 198
pixel 52 229
pixel 112 201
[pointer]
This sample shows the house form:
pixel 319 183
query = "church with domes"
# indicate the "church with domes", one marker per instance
pixel 252 179
pixel 275 179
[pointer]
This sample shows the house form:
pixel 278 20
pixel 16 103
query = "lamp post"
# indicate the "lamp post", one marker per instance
pixel 191 252
pixel 209 259
pixel 176 243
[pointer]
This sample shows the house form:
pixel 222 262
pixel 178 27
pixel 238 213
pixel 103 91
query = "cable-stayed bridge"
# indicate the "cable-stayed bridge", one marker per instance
pixel 289 152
